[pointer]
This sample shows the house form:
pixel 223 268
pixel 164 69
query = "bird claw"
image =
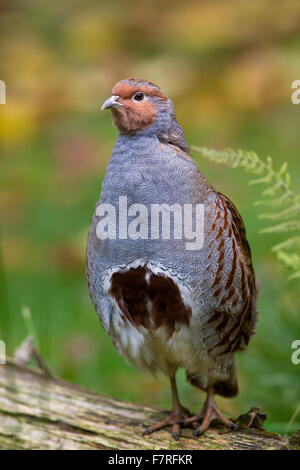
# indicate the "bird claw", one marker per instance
pixel 172 420
pixel 208 413
pixel 197 432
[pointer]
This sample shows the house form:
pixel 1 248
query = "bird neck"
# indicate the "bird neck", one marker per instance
pixel 167 134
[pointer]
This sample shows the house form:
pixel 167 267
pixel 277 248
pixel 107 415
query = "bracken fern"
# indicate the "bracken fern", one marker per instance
pixel 283 202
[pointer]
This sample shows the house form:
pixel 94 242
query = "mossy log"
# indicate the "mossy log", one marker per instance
pixel 41 412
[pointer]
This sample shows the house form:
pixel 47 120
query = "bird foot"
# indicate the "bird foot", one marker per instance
pixel 177 415
pixel 208 413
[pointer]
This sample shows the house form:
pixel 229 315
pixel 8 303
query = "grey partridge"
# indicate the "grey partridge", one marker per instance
pixel 168 302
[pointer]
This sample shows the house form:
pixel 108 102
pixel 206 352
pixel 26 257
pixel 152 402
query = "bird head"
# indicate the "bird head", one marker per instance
pixel 139 106
pixel 136 105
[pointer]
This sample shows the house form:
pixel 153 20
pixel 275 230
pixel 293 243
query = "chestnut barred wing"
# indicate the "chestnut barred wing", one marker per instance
pixel 234 287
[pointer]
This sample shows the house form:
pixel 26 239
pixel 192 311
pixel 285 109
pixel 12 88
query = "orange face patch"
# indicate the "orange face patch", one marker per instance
pixel 134 115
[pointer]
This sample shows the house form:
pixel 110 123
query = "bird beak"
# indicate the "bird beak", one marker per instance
pixel 112 102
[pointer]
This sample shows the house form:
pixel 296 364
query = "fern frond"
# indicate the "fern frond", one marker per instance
pixel 295 209
pixel 279 201
pixel 288 244
pixel 288 226
pixel 291 261
pixel 296 275
pixel 277 193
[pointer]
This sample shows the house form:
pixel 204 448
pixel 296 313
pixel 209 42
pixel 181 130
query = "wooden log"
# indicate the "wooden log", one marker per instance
pixel 41 412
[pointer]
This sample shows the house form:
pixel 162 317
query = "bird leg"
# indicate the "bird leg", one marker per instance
pixel 178 413
pixel 208 413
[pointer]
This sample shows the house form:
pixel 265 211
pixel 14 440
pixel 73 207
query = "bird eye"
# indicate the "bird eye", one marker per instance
pixel 138 96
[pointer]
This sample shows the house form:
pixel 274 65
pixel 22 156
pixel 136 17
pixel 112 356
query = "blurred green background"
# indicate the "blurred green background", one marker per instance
pixel 228 67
